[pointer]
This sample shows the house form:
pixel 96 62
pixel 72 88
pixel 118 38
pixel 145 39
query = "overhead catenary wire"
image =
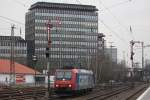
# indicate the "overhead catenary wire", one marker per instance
pixel 20 3
pixel 107 8
pixel 122 39
pixel 9 21
pixel 6 21
pixel 81 3
pixel 26 3
pixel 115 18
pixel 12 20
pixel 78 2
pixel 118 4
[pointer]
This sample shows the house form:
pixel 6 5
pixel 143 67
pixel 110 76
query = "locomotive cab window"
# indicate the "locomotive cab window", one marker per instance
pixel 67 75
pixel 63 75
pixel 59 75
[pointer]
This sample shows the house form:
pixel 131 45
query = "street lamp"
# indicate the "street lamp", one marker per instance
pixel 34 59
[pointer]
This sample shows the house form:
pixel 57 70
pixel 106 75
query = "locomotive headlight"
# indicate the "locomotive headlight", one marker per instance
pixel 69 85
pixel 57 85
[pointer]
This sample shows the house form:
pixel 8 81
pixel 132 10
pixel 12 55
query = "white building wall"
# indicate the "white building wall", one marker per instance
pixel 52 79
pixel 5 78
pixel 29 79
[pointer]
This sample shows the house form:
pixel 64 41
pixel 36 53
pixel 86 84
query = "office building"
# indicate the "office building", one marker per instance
pixel 111 53
pixel 20 48
pixel 73 34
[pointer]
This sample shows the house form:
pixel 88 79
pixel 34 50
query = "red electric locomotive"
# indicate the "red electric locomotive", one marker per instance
pixel 73 80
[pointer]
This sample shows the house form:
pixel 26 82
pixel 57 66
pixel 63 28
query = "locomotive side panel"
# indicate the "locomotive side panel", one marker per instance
pixel 84 81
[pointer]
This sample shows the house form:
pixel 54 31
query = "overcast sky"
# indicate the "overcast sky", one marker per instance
pixel 115 19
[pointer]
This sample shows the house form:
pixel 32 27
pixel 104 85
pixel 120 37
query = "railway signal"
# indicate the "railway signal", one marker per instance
pixel 49 26
pixel 132 54
pixel 47 52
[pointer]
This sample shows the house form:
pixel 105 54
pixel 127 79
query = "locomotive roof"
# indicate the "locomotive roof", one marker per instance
pixel 78 70
pixel 85 71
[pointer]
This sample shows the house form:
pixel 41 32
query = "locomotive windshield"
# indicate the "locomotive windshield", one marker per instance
pixel 63 75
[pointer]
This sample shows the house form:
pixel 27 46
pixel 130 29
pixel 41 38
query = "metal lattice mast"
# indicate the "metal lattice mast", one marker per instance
pixel 12 59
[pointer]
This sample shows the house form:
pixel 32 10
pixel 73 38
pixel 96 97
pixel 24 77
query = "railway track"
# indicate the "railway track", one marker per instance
pixel 137 93
pixel 123 92
pixel 22 93
pixel 108 94
pixel 95 93
pixel 126 93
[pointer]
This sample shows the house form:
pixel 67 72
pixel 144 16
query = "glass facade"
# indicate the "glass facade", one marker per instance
pixel 73 35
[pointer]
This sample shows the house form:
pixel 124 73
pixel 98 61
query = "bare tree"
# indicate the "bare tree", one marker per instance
pixel 107 70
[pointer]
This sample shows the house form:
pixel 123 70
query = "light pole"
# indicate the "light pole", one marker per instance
pixel 34 59
pixel 12 59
